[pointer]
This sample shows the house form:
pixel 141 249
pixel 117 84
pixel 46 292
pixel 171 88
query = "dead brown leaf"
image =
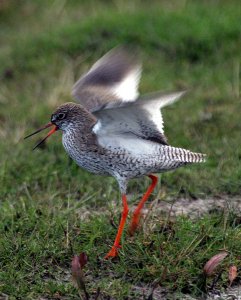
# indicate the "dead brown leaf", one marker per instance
pixel 232 274
pixel 213 262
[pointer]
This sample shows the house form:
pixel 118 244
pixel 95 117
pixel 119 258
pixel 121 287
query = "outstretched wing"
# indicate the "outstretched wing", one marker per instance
pixel 110 90
pixel 112 80
pixel 141 118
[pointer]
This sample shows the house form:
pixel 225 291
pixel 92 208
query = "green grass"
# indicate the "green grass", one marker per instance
pixel 170 253
pixel 51 209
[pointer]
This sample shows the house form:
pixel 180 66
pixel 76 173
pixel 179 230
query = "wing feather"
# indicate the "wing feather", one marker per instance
pixel 109 90
pixel 113 79
pixel 142 118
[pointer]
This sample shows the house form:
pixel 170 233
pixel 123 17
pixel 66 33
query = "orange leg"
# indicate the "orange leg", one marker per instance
pixel 136 215
pixel 114 250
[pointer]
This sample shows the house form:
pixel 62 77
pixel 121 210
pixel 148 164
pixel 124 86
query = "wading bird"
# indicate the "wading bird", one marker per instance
pixel 112 131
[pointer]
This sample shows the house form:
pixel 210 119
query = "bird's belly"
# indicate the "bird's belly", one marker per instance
pixel 90 163
pixel 114 162
pixel 85 159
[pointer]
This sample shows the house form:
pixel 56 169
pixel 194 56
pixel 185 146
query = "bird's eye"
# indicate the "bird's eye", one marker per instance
pixel 61 116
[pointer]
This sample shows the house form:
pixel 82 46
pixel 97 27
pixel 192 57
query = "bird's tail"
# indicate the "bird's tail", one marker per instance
pixel 182 155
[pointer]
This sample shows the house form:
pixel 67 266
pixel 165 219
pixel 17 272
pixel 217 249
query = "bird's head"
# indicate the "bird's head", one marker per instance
pixel 66 117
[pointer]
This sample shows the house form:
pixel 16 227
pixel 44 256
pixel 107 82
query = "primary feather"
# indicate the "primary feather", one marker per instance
pixel 113 79
pixel 109 90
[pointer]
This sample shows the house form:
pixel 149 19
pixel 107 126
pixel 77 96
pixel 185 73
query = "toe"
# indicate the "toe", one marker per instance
pixel 112 253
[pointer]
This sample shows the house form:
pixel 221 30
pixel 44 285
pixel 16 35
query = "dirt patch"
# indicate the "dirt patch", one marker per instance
pixel 233 293
pixel 199 207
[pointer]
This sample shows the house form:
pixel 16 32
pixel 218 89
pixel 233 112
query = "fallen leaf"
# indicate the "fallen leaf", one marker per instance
pixel 213 262
pixel 77 264
pixel 232 274
pixel 83 259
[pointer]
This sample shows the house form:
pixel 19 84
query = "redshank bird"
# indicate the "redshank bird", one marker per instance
pixel 112 131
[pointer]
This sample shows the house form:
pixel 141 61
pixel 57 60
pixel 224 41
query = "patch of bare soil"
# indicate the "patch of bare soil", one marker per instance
pixel 195 208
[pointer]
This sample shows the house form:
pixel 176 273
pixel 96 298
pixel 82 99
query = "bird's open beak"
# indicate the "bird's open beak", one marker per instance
pixel 55 128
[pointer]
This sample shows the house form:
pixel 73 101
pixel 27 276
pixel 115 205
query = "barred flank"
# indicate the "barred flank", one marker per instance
pixel 183 155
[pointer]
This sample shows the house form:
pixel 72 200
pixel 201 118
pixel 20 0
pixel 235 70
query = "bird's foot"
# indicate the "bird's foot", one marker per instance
pixel 113 252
